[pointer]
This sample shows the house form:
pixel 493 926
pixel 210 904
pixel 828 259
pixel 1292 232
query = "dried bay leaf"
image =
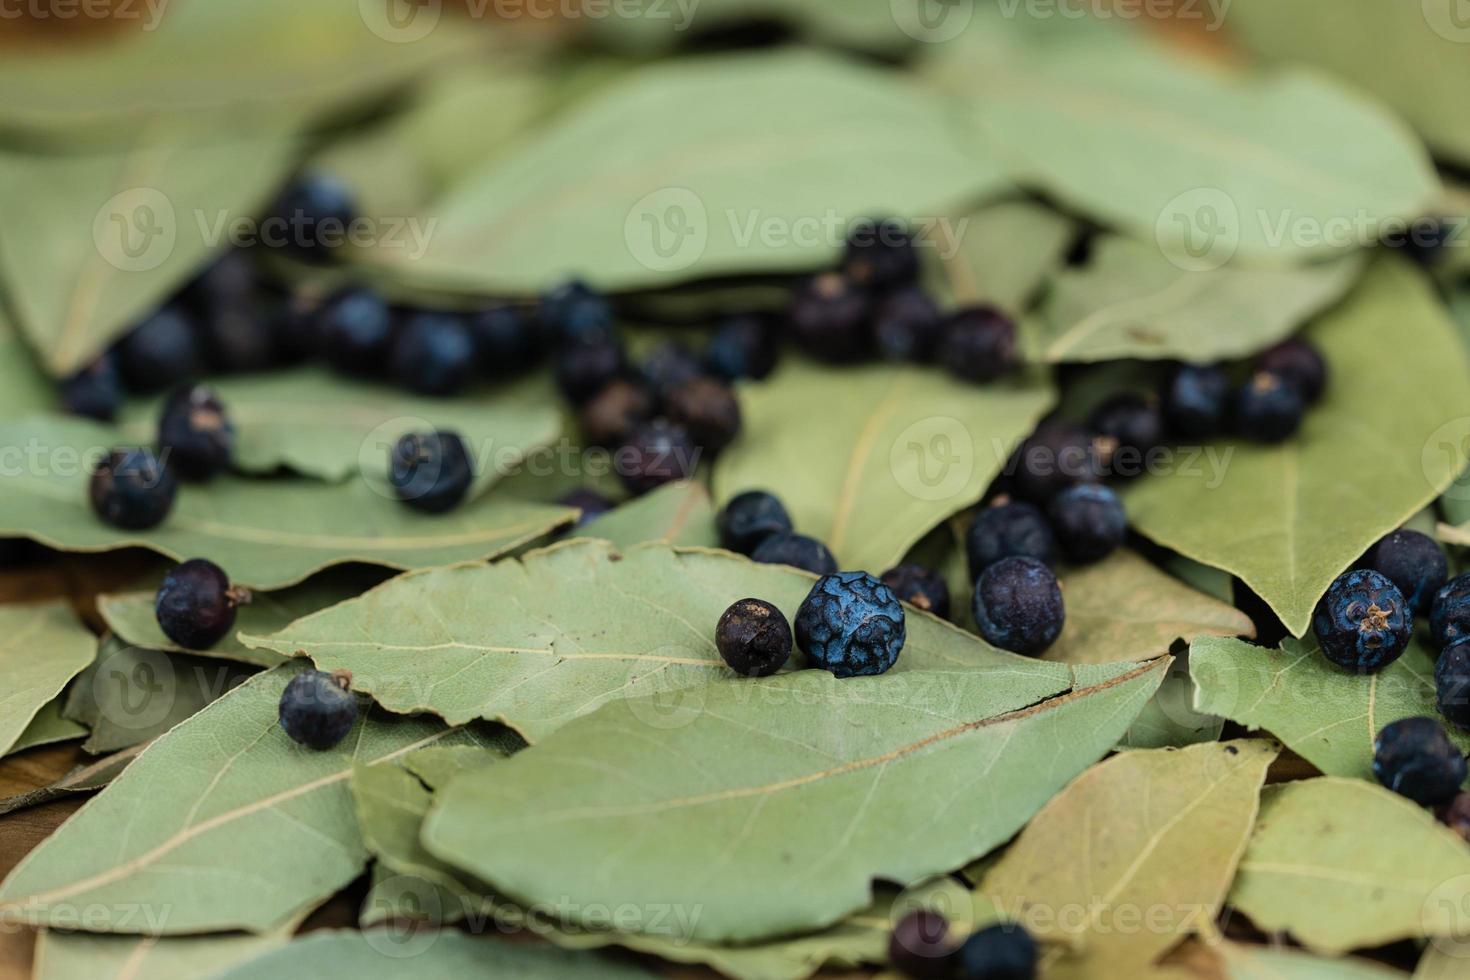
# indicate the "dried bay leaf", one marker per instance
pixel 998 255
pixel 1302 512
pixel 47 727
pixel 574 626
pixel 677 513
pixel 772 152
pixel 1327 715
pixel 1342 864
pixel 1244 962
pixel 85 956
pixel 350 955
pixel 619 804
pixel 42 647
pixel 132 617
pixel 24 387
pixel 265 534
pixel 869 459
pixel 82 779
pixel 1132 302
pixel 223 823
pixel 92 242
pixel 1142 831
pixel 1170 720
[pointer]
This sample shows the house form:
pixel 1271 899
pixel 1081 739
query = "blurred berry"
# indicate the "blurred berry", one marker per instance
pixel 829 318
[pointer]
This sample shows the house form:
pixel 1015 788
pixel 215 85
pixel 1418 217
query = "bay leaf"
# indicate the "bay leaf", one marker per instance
pixel 676 513
pixel 1145 830
pixel 1324 714
pixel 92 242
pixel 223 823
pixel 1123 608
pixel 1440 964
pixel 618 805
pixel 1239 164
pixel 1411 56
pixel 130 695
pixel 82 779
pixel 1000 254
pixel 1131 301
pixel 317 423
pixel 351 955
pixel 47 727
pixel 132 616
pixel 86 956
pixel 868 459
pixel 42 647
pixel 436 765
pixel 266 534
pixel 1170 720
pixel 24 387
pixel 1244 962
pixel 573 626
pixel 1302 512
pixel 775 155
pixel 1343 864
pixel 654 26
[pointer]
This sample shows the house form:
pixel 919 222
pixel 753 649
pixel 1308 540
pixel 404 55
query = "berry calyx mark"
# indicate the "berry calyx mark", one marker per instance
pixel 342 678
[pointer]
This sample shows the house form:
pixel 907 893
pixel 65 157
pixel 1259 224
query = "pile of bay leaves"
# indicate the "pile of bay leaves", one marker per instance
pixel 557 777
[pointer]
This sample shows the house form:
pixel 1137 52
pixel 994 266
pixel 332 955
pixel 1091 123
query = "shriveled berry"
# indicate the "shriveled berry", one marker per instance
pixel 430 471
pixel 132 489
pixel 614 413
pixel 195 434
pixel 1414 563
pixel 880 253
pixel 355 328
pixel 708 409
pixel 978 344
pixel 1268 408
pixel 1018 606
pixel 922 945
pixel 1456 815
pixel 507 341
pixel 1299 363
pixel 1415 758
pixel 754 638
pixel 1008 529
pixel 584 368
pixel 1000 952
pixel 923 588
pixel 1058 455
pixel 907 325
pixel 1449 613
pixel 311 219
pixel 743 345
pixel 796 550
pixel 96 391
pixel 1089 521
pixel 1133 426
pixel 233 329
pixel 829 318
pixel 658 452
pixel 1452 683
pixel 318 709
pixel 591 503
pixel 574 312
pixel 433 354
pixel 750 518
pixel 161 352
pixel 1362 623
pixel 851 624
pixel 668 366
pixel 196 604
pixel 1196 401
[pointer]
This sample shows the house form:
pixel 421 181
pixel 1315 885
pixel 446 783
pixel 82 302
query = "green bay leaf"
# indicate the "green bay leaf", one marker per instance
pixel 677 513
pixel 1244 962
pixel 869 459
pixel 81 779
pixel 1302 512
pixel 42 647
pixel 266 534
pixel 223 823
pixel 1144 830
pixel 573 626
pixel 47 727
pixel 1000 254
pixel 788 832
pixel 1342 864
pixel 86 956
pixel 1132 302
